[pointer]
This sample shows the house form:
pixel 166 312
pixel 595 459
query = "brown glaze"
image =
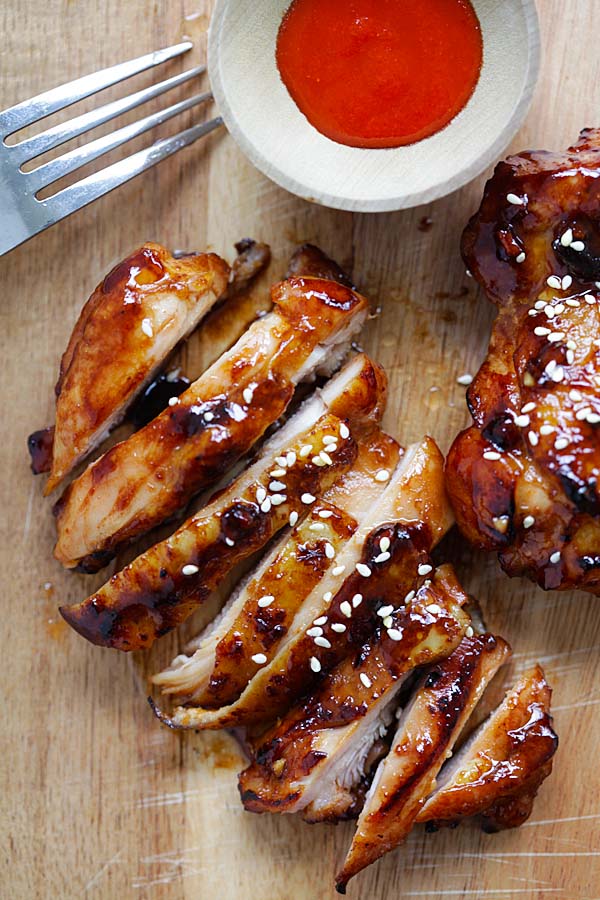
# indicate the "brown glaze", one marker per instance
pixel 342 699
pixel 549 456
pixel 497 773
pixel 39 445
pixel 427 731
pixel 155 398
pixel 310 260
pixel 110 357
pixel 147 478
pixel 152 595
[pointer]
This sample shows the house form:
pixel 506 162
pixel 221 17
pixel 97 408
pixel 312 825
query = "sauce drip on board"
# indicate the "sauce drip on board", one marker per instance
pixel 380 73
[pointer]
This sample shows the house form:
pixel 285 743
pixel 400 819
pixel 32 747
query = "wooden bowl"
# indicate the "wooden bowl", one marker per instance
pixel 278 139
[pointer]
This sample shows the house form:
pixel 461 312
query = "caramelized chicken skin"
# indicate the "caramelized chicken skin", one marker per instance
pixel 425 736
pixel 147 478
pixel 313 759
pixel 132 321
pixel 523 479
pixel 384 560
pixel 497 773
pixel 161 588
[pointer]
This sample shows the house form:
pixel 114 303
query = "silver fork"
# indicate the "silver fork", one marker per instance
pixel 22 214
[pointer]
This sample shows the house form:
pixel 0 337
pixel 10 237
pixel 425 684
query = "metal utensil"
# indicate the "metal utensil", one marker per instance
pixel 22 214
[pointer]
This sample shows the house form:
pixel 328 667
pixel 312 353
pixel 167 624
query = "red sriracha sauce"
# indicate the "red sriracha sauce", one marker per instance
pixel 380 73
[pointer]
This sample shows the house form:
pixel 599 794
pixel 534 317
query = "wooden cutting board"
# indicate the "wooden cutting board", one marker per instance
pixel 99 801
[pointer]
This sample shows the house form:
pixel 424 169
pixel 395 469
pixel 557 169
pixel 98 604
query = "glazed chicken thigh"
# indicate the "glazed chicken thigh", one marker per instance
pixel 524 478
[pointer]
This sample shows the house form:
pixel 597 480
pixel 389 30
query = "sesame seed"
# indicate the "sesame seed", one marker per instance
pixel 533 312
pixel 567 281
pixel 593 418
pixel 559 308
pixel 491 454
pixel 554 281
pixel 546 429
pixel 589 298
pixel 363 570
pixel 357 600
pixel 344 431
pixel 395 634
pixel 278 473
pixel 583 413
pixel 434 609
pixel 307 499
pixel 556 336
pixel 261 495
pixel 338 627
pixel 382 557
pixel 208 417
pixel 566 237
pixel 388 622
pixel 469 631
pixel 385 611
pixel 346 609
pixel 278 499
pixel 173 401
pixel 522 421
pixel 337 570
pixel 365 680
pixel 329 551
pixel 465 379
pixel 190 570
pixel 259 658
pixel 229 542
pixel 315 664
pixel 320 621
pixel 515 199
pixel 570 357
pixel 147 328
pixel 329 439
pixel 266 601
pixel 541 331
pixel 558 374
pixel 277 486
pixel 425 569
pixel 281 461
pixel 325 514
pixel 539 304
pixel 528 521
pixel 410 597
pixel 327 596
pixel 529 407
pixel 266 506
pixel 384 544
pixel 549 311
pixel 323 642
pixel 575 395
pixel 578 246
pixel 533 438
pixel 318 461
pixel 248 394
pixel 571 301
pixel 290 458
pixel 555 558
pixel 382 475
pixel 293 518
pixel 316 526
pixel 326 458
pixel 528 379
pixel 520 258
pixel 561 443
pixel 315 632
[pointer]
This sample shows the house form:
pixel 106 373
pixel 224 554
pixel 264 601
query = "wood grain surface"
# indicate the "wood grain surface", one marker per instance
pixel 97 800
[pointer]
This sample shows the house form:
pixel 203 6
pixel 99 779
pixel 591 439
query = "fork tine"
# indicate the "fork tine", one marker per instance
pixel 17 117
pixel 60 134
pixel 76 196
pixel 80 156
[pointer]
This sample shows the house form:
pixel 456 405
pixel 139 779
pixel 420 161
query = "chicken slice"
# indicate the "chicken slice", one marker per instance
pixel 149 477
pixel 251 627
pixel 313 760
pixel 385 559
pixel 310 260
pixel 130 324
pixel 497 772
pixel 161 588
pixel 426 733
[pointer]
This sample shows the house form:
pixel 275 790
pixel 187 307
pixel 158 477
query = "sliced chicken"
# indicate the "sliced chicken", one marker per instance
pixel 310 260
pixel 130 324
pixel 252 258
pixel 251 627
pixel 313 760
pixel 149 477
pixel 386 558
pixel 161 588
pixel 523 479
pixel 498 771
pixel 425 736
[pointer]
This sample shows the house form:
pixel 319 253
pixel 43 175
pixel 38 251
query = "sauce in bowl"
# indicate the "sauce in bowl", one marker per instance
pixel 380 73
